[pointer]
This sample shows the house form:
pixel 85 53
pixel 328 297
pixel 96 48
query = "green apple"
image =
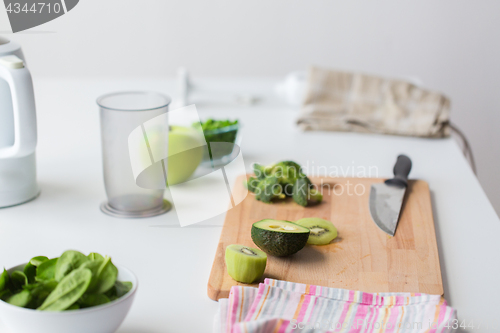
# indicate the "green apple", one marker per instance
pixel 185 152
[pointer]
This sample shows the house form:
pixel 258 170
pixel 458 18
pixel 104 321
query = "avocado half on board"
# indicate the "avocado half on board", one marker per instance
pixel 279 238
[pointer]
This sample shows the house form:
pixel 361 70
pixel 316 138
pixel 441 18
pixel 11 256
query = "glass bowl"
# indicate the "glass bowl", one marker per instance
pixel 223 145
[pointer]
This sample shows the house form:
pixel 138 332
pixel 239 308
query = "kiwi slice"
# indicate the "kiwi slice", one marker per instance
pixel 322 231
pixel 245 264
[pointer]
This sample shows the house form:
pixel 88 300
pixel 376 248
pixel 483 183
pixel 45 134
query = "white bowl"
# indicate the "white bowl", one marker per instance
pixel 104 318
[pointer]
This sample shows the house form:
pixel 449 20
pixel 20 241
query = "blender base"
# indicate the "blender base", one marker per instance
pixel 108 210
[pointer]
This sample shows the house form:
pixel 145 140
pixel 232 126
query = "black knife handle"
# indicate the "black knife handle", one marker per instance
pixel 401 171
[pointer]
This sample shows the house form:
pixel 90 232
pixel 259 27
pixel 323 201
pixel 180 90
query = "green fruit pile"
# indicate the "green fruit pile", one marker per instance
pixel 281 180
pixel 70 282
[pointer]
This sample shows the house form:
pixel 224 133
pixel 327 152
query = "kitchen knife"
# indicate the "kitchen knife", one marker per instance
pixel 386 198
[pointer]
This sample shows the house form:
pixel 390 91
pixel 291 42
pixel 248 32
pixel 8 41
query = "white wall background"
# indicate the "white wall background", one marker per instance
pixel 451 45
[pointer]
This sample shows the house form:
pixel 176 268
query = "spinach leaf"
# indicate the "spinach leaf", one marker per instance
pixel 47 270
pixel 94 266
pixel 4 280
pixel 69 261
pixel 122 288
pixel 30 272
pixel 85 281
pixel 37 261
pixel 105 277
pixel 19 280
pixel 73 307
pixel 68 291
pixel 20 299
pixel 31 266
pixel 5 294
pixel 95 256
pixel 118 290
pixel 89 300
pixel 40 291
pixel 111 293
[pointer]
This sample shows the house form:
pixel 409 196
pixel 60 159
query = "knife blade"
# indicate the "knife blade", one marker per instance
pixel 386 198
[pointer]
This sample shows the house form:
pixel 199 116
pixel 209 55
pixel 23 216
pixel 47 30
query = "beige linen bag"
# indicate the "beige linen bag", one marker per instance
pixel 341 101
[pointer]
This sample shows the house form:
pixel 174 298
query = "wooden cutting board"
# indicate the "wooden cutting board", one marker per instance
pixel 361 258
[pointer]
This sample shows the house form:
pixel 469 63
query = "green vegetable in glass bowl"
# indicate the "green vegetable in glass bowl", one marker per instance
pixel 70 282
pixel 216 131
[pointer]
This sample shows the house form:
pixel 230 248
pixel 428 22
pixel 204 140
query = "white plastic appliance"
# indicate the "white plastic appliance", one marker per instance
pixel 17 128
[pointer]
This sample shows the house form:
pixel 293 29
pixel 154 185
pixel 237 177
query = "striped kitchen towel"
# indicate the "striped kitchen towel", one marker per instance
pixel 280 306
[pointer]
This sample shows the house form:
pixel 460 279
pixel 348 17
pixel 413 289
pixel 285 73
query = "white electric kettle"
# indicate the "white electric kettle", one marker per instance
pixel 17 128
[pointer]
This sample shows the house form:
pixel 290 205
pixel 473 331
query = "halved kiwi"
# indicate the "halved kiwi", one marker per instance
pixel 322 231
pixel 245 264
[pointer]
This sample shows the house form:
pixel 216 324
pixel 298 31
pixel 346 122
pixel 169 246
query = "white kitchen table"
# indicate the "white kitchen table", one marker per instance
pixel 173 263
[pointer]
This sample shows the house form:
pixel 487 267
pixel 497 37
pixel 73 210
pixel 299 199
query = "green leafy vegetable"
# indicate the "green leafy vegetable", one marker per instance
pixel 93 300
pixel 30 272
pixel 219 131
pixel 118 290
pixel 4 280
pixel 73 307
pixel 68 291
pixel 47 270
pixel 95 256
pixel 18 279
pixel 37 261
pixel 21 299
pixel 87 281
pixel 105 277
pixel 122 288
pixel 211 125
pixel 94 266
pixel 69 261
pixel 5 294
pixel 40 291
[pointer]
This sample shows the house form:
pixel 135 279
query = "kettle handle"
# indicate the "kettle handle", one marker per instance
pixel 23 102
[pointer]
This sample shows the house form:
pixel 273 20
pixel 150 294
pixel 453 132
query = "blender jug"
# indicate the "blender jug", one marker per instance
pixel 121 113
pixel 18 135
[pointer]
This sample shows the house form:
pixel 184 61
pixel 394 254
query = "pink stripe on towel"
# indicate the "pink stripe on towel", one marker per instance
pixel 284 307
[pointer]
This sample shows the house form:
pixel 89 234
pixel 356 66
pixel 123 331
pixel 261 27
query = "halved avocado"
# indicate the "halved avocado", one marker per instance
pixel 279 238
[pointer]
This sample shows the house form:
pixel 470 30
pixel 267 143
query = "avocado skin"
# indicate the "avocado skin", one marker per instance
pixel 279 243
